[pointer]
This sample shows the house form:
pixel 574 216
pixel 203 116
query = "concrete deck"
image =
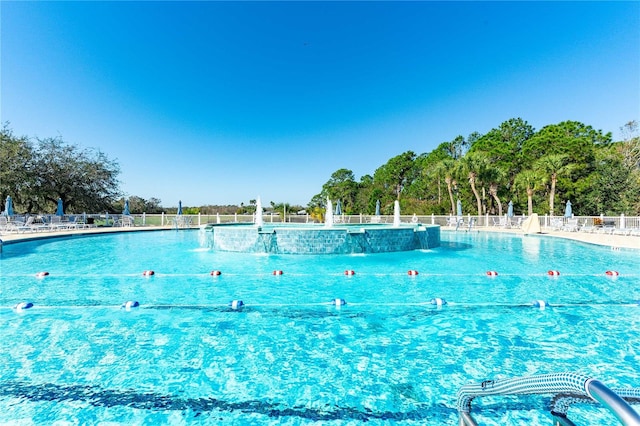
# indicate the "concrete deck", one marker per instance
pixel 614 241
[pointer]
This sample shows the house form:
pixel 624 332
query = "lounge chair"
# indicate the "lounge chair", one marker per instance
pixel 607 228
pixel 586 227
pixel 517 224
pixel 454 221
pixel 6 226
pixel 556 224
pixel 31 226
pixel 125 221
pixel 621 231
pixel 57 223
pixel 571 225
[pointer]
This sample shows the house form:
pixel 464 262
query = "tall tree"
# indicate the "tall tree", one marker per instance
pixel 17 170
pixel 530 181
pixel 502 145
pixel 630 148
pixel 457 147
pixel 448 169
pixel 552 166
pixel 571 138
pixel 85 179
pixel 341 186
pixel 397 173
pixel 494 175
pixel 366 195
pixel 37 173
pixel 474 164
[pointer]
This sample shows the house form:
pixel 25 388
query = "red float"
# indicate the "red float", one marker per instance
pixel 349 272
pixel 553 273
pixel 148 273
pixel 412 272
pixel 492 273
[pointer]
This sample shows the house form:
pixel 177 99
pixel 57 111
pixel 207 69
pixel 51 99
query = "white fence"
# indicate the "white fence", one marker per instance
pixel 619 223
pixel 484 221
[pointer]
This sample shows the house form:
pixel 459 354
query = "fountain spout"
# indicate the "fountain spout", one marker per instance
pixel 396 214
pixel 328 216
pixel 259 221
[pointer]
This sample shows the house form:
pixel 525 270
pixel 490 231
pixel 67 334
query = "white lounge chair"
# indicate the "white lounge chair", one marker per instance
pixel 30 225
pixel 621 231
pixel 571 225
pixel 586 227
pixel 6 226
pixel 125 221
pixel 556 224
pixel 57 223
pixel 454 221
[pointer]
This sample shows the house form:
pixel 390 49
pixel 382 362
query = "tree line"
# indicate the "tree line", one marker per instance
pixel 538 171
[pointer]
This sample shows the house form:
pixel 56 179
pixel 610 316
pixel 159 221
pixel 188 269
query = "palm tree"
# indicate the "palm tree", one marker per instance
pixel 494 175
pixel 553 165
pixel 447 167
pixel 530 181
pixel 474 165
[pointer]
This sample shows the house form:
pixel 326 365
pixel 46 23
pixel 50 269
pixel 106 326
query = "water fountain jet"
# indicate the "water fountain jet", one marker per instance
pixel 328 216
pixel 396 214
pixel 258 220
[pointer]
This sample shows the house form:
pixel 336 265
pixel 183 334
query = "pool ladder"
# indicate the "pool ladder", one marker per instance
pixel 568 388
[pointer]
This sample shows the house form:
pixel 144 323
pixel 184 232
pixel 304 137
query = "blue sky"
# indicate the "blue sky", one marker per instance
pixel 222 102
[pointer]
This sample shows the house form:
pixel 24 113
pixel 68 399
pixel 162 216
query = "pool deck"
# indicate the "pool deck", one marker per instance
pixel 614 241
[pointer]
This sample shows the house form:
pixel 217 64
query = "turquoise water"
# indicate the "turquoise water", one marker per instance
pixel 289 356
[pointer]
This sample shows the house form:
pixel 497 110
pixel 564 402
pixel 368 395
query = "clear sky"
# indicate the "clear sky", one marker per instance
pixel 222 102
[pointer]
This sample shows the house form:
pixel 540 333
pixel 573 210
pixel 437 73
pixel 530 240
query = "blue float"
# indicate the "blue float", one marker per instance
pixel 130 304
pixel 438 302
pixel 338 302
pixel 23 305
pixel 540 304
pixel 236 304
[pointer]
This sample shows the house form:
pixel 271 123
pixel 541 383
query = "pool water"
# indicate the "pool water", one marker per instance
pixel 289 355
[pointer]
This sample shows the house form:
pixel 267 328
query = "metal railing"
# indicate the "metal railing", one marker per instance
pixel 575 387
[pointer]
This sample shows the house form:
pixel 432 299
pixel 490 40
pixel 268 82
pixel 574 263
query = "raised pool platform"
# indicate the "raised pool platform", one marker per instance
pixel 320 239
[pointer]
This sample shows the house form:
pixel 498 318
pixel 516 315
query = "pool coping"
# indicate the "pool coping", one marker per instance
pixel 613 241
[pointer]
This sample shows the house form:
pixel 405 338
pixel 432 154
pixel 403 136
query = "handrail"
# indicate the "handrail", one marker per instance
pixel 562 402
pixel 625 414
pixel 558 383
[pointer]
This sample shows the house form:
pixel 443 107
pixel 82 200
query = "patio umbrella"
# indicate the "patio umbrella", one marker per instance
pixel 338 208
pixel 567 210
pixel 60 210
pixel 378 208
pixel 8 207
pixel 126 211
pixel 180 207
pixel 510 209
pixel 459 208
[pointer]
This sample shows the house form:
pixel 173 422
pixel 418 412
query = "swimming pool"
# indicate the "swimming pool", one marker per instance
pixel 289 356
